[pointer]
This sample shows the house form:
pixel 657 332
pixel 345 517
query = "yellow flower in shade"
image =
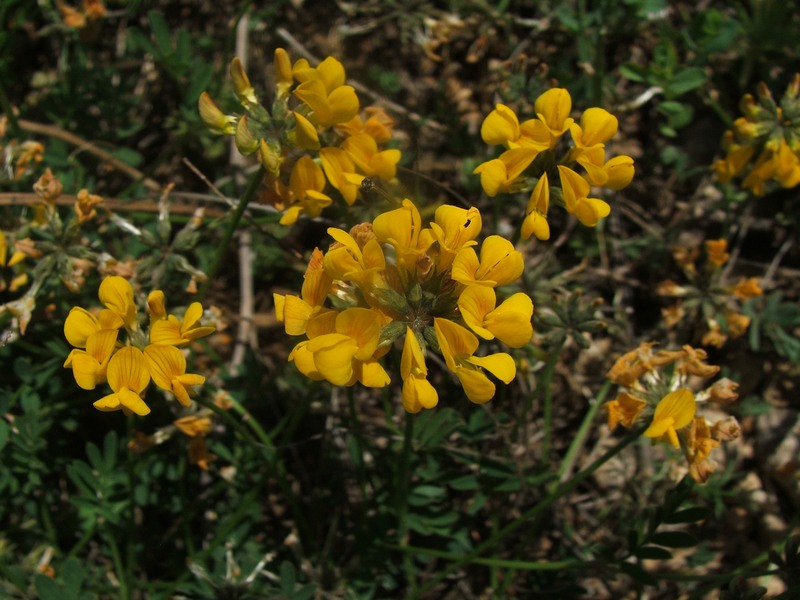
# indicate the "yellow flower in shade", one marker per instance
pixel 157 305
pixel 576 190
pixel 500 263
pixel 458 346
pixel 699 444
pixel 503 174
pixel 418 393
pixel 216 120
pixel 306 183
pixel 624 409
pixel 748 288
pixel 553 108
pixel 535 222
pixel 305 134
pixel 378 125
pixel 241 83
pixel 322 89
pixel 89 366
pixel 510 322
pixel 16 257
pixel 717 252
pixel 363 149
pixel 296 312
pixel 401 228
pixel 116 294
pixel 674 411
pixel 172 332
pixel 347 355
pixel 80 324
pixel 453 228
pixel 167 366
pixel 194 426
pixel 341 172
pixel 282 65
pixel 349 261
pixel 128 378
pixel 737 323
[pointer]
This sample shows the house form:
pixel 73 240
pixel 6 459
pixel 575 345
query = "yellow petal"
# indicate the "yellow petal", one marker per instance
pixel 165 363
pixel 476 384
pixel 474 303
pixel 500 126
pixel 116 294
pixel 79 325
pixel 501 365
pixel 511 321
pixel 597 126
pixel 127 369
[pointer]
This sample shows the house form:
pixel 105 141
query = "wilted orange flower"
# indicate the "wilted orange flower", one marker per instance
pixel 748 288
pixel 717 253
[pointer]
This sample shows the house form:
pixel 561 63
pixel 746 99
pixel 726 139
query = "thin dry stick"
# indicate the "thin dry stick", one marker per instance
pixel 71 138
pixel 245 334
pixel 361 88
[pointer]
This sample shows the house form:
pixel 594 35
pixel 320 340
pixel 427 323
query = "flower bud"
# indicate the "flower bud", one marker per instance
pixel 214 118
pixel 241 83
pixel 244 140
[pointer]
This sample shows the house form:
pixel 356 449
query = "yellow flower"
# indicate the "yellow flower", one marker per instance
pixel 283 72
pixel 322 89
pixel 214 118
pixel 80 324
pixel 128 378
pixel 363 149
pixel 576 189
pixel 625 409
pixel 453 228
pixel 535 222
pixel 674 411
pixel 748 288
pixel 305 134
pixel 500 263
pixel 297 312
pixel 553 108
pixel 510 322
pixel 501 127
pixel 167 367
pixel 503 174
pixel 171 332
pixel 458 347
pixel 194 426
pixel 378 126
pixel 351 262
pixel 157 305
pixel 89 366
pixel 241 83
pixel 347 355
pixel 116 294
pixel 716 252
pixel 418 393
pixel 306 183
pixel 402 228
pixel 619 172
pixel 341 172
pixel 16 257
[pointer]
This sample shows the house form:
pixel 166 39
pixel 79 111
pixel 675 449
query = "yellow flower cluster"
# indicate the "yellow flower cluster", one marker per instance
pixel 432 285
pixel 656 386
pixel 538 152
pixel 100 356
pixel 315 120
pixel 705 296
pixel 764 143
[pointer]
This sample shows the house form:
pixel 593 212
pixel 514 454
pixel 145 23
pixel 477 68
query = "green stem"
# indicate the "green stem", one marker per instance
pixel 583 431
pixel 236 217
pixel 402 501
pixel 116 557
pixel 534 512
pixel 547 385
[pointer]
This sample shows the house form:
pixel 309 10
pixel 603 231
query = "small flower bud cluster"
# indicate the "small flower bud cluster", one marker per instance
pixel 432 286
pixel 540 159
pixel 656 387
pixel 704 296
pixel 764 144
pixel 100 355
pixel 312 139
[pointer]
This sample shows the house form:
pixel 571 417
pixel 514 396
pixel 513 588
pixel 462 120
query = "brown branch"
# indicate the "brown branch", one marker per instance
pixel 81 144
